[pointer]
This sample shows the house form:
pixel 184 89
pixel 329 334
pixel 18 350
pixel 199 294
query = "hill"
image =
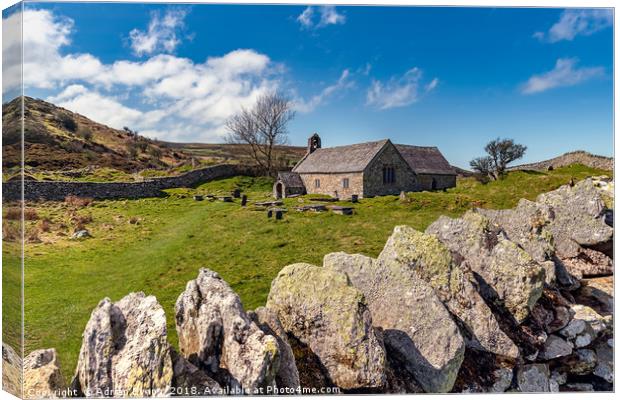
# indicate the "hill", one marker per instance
pixel 56 138
pixel 234 153
pixel 570 158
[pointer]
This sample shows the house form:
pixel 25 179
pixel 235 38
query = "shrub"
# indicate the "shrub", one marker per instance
pixel 85 133
pixel 13 213
pixel 10 232
pixel 45 225
pixel 67 122
pixel 78 202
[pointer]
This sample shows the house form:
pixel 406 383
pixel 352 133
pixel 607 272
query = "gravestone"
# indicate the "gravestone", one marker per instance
pixel 279 214
pixel 269 213
pixel 198 197
pixel 354 198
pixel 236 193
pixel 244 200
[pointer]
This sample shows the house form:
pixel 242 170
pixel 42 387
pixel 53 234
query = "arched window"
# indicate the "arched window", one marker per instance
pixel 389 175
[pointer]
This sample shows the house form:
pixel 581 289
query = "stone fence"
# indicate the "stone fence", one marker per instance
pixel 58 190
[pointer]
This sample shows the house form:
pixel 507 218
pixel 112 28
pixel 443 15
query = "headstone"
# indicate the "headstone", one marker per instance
pixel 269 213
pixel 244 200
pixel 354 198
pixel 279 214
pixel 236 193
pixel 198 197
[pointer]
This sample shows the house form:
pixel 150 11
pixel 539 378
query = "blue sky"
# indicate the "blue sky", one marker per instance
pixel 448 77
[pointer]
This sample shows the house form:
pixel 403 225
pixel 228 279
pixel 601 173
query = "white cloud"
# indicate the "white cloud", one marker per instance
pixel 320 17
pixel 565 73
pixel 161 35
pixel 305 18
pixel 343 83
pixel 398 91
pixel 577 22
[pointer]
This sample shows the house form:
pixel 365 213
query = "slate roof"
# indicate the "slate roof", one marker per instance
pixel 291 179
pixel 351 158
pixel 425 160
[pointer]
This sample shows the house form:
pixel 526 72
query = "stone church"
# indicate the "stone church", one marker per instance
pixel 366 170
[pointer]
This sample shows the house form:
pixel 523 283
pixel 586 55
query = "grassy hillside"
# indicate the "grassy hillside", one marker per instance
pixel 56 138
pixel 157 245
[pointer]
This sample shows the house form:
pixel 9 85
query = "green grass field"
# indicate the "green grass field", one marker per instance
pixel 157 245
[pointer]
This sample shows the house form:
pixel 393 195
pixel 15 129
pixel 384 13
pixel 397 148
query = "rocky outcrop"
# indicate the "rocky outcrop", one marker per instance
pixel 454 284
pixel 417 329
pixel 506 272
pixel 579 219
pixel 267 320
pixel 323 311
pixel 216 334
pixel 42 376
pixel 124 350
pixel 189 380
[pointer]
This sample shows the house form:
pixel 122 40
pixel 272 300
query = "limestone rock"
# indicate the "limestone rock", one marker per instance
pixel 578 218
pixel 527 225
pixel 322 310
pixel 124 350
pixel 604 362
pixel 268 322
pixel 11 371
pixel 507 271
pixel 42 376
pixel 418 330
pixel 216 334
pixel 533 378
pixel 188 380
pixel 455 286
pixel 555 347
pixel 81 234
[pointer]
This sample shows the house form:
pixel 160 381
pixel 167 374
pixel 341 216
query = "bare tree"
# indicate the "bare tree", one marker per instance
pixel 483 167
pixel 262 127
pixel 501 152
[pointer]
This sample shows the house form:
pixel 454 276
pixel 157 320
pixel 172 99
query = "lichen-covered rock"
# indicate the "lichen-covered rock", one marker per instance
pixel 42 376
pixel 533 378
pixel 454 284
pixel 216 334
pixel 124 350
pixel 581 362
pixel 585 319
pixel 417 329
pixel 11 371
pixel 507 271
pixel 555 347
pixel 527 225
pixel 189 380
pixel 268 322
pixel 589 263
pixel 321 309
pixel 578 218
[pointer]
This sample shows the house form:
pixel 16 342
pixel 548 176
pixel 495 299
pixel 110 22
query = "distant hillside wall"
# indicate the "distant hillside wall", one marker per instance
pixel 575 157
pixel 57 190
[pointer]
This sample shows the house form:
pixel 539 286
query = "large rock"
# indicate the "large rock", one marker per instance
pixel 320 308
pixel 267 320
pixel 597 293
pixel 124 350
pixel 418 330
pixel 579 218
pixel 555 347
pixel 454 284
pixel 506 271
pixel 604 361
pixel 189 380
pixel 216 334
pixel 11 371
pixel 42 376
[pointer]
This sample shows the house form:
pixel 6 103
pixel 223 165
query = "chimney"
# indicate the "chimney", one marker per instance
pixel 314 142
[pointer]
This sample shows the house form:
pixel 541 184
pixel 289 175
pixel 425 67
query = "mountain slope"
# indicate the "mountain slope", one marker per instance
pixel 56 138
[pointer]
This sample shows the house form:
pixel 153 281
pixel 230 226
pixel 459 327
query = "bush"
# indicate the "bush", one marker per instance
pixel 13 213
pixel 85 133
pixel 10 232
pixel 45 225
pixel 67 122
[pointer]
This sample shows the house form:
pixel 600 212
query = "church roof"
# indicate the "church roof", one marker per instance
pixel 425 160
pixel 350 158
pixel 290 179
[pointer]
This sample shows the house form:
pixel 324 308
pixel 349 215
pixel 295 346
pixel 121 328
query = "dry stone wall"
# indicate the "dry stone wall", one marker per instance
pixel 58 190
pixel 463 307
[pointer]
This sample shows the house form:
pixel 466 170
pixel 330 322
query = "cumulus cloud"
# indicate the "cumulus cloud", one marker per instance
pixel 577 22
pixel 343 83
pixel 565 73
pixel 320 17
pixel 162 34
pixel 398 91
